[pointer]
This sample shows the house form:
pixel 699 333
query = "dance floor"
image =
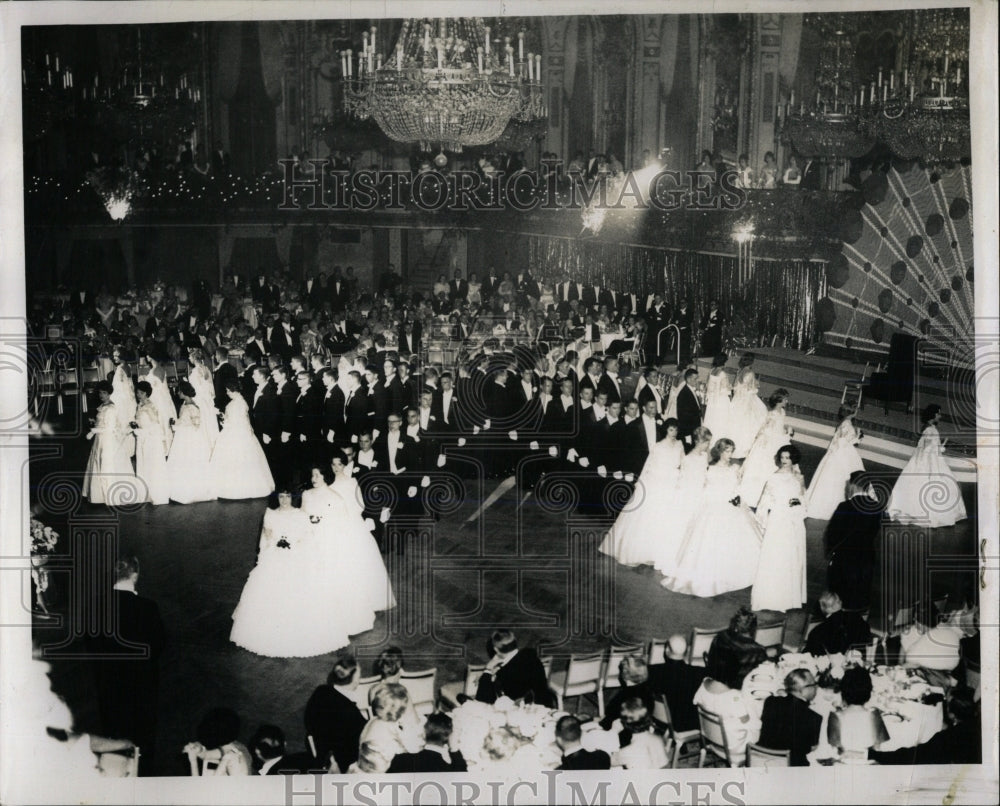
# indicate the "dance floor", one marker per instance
pixel 533 568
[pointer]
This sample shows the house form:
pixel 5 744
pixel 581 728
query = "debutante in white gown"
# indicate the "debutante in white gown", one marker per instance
pixel 826 490
pixel 238 468
pixel 747 412
pixel 123 396
pixel 187 465
pixel 759 464
pixel 718 405
pixel 926 491
pixel 108 478
pixel 684 501
pixel 204 395
pixel 160 397
pixel 150 454
pixel 780 583
pixel 635 536
pixel 353 567
pixel 287 609
pixel 722 544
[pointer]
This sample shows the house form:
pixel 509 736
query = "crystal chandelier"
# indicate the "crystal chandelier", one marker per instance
pixel 923 113
pixel 447 82
pixel 830 128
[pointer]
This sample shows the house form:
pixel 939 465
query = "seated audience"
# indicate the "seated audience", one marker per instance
pixel 788 723
pixel 720 694
pixel 391 730
pixel 332 717
pixel 678 681
pixel 512 672
pixel 855 728
pixel 574 757
pixel 217 747
pixel 437 754
pixel 640 737
pixel 736 646
pixel 633 674
pixel 839 631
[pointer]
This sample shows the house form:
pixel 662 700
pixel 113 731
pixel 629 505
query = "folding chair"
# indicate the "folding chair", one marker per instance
pixel 420 686
pixel 616 654
pixel 69 384
pixel 698 646
pixel 47 386
pixel 450 691
pixel 713 738
pixel 811 624
pixel 854 390
pixel 362 692
pixel 758 756
pixel 677 740
pixel 656 650
pixel 582 677
pixel 182 368
pixel 771 635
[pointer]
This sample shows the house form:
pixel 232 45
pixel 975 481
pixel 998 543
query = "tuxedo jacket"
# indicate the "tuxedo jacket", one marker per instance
pixel 394 395
pixel 606 384
pixel 446 422
pixel 688 412
pixel 355 414
pixel 266 413
pixel 615 301
pixel 407 454
pixel 618 449
pixel 639 443
pixel 332 405
pixel 308 417
pixel 335 723
pixel 838 633
pixel 286 403
pixel 788 723
pixel 409 339
pixel 586 760
pixel 284 343
pixel 223 373
pixel 378 403
pixel 646 394
pixel 409 396
pixel 427 761
pixel 588 382
pixel 338 296
pixel 852 530
pixel 521 676
pixel 458 289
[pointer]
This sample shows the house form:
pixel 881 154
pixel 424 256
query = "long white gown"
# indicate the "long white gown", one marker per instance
pixel 204 395
pixel 353 567
pixel 160 397
pixel 718 406
pixel 926 491
pixel 684 500
pixel 123 396
pixel 826 490
pixel 780 583
pixel 187 465
pixel 286 605
pixel 759 464
pixel 150 455
pixel 722 544
pixel 747 412
pixel 238 467
pixel 635 536
pixel 109 478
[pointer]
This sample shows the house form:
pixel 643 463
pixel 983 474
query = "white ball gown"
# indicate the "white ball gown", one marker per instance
pixel 780 583
pixel 150 454
pixel 747 412
pixel 718 414
pixel 287 609
pixel 926 491
pixel 123 396
pixel 351 565
pixel 109 478
pixel 187 465
pixel 684 501
pixel 238 468
pixel 204 396
pixel 826 490
pixel 634 538
pixel 722 544
pixel 759 464
pixel 160 397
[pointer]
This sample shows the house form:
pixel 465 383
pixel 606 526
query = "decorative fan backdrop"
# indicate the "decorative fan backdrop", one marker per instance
pixel 905 265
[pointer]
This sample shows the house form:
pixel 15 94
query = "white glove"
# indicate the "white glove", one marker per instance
pixel 386 514
pixel 354 438
pixel 441 460
pixel 425 481
pixel 630 477
pixel 533 445
pixel 602 471
pixel 461 442
pixel 512 435
pixel 302 437
pixel 329 436
pixel 285 436
pixel 267 439
pixel 369 524
pixel 486 425
pixel 571 456
pixel 411 491
pixel 553 451
pixel 375 433
pixel 584 461
pixel 476 429
pixel 619 475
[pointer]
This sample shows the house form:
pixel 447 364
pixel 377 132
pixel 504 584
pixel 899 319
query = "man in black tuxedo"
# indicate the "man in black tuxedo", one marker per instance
pixel 379 401
pixel 223 373
pixel 220 160
pixel 409 385
pixel 337 292
pixel 266 415
pixel 284 337
pixel 574 757
pixel 446 405
pixel 355 409
pixel 812 176
pixel 651 390
pixel 155 321
pixel 615 301
pixel 526 285
pixel 332 405
pixel 410 336
pixel 268 750
pixel 287 393
pixel 512 672
pixel 259 342
pixel 395 394
pixel 850 543
pixel 265 294
pixel 678 681
pixel 688 409
pixel 646 432
pixel 436 756
pixel 307 446
pixel 609 382
pixel 126 664
pixel 657 316
pixel 839 631
pixel 458 289
pixel 592 372
pixel 332 717
pixel 788 723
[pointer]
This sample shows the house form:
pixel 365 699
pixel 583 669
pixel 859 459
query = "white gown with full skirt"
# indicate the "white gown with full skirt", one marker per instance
pixel 160 397
pixel 123 396
pixel 722 544
pixel 150 456
pixel 827 488
pixel 780 583
pixel 634 538
pixel 287 608
pixel 204 395
pixel 747 413
pixel 187 465
pixel 926 491
pixel 759 464
pixel 683 501
pixel 109 478
pixel 238 468
pixel 718 406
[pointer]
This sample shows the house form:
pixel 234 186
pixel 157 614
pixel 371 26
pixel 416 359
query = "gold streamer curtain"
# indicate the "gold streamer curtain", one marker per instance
pixel 779 300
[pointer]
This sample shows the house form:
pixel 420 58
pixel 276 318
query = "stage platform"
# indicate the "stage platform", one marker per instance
pixel 816 384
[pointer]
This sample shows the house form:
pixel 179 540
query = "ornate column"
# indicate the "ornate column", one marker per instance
pixel 764 87
pixel 647 113
pixel 554 75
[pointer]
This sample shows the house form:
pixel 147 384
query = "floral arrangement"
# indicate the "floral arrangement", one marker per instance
pixel 43 538
pixel 506 735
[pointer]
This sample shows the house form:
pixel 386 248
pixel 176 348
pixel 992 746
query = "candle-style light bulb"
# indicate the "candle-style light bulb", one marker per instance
pixel 520 46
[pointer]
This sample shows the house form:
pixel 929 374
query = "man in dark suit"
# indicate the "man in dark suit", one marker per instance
pixel 284 337
pixel 512 672
pixel 287 393
pixel 410 336
pixel 266 416
pixel 458 289
pixel 268 750
pixel 409 385
pixel 646 432
pixel 259 342
pixel 223 372
pixel 657 316
pixel 127 664
pixel 220 160
pixel 337 292
pixel 615 301
pixel 355 409
pixel 812 176
pixel 527 285
pixel 850 544
pixel 332 406
pixel 651 391
pixel 788 723
pixel 332 717
pixel 839 631
pixel 379 401
pixel 688 409
pixel 574 757
pixel 436 756
pixel 251 358
pixel 678 681
pixel 446 405
pixel 609 382
pixel 307 444
pixel 735 648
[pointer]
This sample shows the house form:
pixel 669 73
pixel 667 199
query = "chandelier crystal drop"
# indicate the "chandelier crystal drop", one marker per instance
pixel 447 82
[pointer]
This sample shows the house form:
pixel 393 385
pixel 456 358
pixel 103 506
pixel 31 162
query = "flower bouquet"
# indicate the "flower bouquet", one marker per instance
pixel 43 542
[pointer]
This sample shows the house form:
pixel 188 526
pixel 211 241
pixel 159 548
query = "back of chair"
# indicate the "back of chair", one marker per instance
pixel 472 674
pixel 420 686
pixel 655 651
pixel 583 673
pixel 770 635
pixel 363 692
pixel 547 661
pixel 701 641
pixel 616 654
pixel 713 734
pixel 758 756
